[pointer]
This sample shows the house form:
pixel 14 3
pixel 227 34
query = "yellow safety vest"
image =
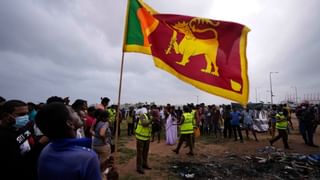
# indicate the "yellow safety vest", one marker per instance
pixel 143 133
pixel 187 126
pixel 112 115
pixel 129 119
pixel 283 124
pixel 194 122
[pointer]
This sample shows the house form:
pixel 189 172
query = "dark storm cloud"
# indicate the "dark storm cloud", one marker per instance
pixel 73 48
pixel 51 51
pixel 284 39
pixel 34 32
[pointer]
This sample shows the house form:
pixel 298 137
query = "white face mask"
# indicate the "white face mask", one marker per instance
pixel 21 121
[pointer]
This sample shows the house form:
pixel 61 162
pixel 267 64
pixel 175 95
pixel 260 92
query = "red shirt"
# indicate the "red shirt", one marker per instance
pixel 90 121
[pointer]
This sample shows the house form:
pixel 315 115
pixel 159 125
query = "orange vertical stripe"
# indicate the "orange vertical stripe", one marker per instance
pixel 146 22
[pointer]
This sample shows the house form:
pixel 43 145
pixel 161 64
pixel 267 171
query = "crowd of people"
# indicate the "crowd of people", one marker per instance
pixel 55 140
pixel 59 140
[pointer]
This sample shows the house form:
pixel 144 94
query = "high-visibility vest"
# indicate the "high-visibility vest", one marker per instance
pixel 283 123
pixel 187 126
pixel 143 133
pixel 130 119
pixel 194 120
pixel 112 115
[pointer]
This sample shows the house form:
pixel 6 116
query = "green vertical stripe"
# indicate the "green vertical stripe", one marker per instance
pixel 134 32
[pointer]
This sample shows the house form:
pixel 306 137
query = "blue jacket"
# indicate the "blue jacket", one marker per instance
pixel 66 159
pixel 235 118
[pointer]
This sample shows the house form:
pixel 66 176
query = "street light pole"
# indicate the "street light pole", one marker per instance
pixel 271 93
pixel 256 95
pixel 296 91
pixel 256 90
pixel 296 94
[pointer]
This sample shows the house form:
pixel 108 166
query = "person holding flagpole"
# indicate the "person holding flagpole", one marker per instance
pixel 143 134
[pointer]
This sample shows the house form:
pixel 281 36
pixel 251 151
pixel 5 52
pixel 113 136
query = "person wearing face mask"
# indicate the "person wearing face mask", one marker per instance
pixel 18 146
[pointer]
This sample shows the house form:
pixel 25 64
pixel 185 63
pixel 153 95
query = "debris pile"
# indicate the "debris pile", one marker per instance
pixel 267 163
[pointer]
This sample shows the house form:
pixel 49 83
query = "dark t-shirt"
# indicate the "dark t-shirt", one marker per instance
pixel 308 116
pixel 227 116
pixel 17 159
pixel 216 116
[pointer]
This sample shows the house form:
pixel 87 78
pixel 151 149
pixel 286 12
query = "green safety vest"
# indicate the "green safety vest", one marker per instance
pixel 130 119
pixel 193 113
pixel 112 115
pixel 143 133
pixel 187 126
pixel 283 124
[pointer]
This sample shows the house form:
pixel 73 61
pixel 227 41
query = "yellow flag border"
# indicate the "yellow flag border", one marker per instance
pixel 150 9
pixel 138 49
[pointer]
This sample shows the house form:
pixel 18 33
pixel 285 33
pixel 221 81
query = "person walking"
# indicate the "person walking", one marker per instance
pixel 143 134
pixel 307 124
pixel 186 131
pixel 281 126
pixel 272 120
pixel 235 123
pixel 248 122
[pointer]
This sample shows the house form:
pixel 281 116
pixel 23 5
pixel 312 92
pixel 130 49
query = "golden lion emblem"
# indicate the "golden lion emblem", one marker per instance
pixel 192 46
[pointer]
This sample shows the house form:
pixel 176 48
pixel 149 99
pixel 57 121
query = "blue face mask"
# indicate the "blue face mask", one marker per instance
pixel 21 121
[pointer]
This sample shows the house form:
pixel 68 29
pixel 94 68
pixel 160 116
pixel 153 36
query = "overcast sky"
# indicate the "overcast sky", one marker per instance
pixel 73 48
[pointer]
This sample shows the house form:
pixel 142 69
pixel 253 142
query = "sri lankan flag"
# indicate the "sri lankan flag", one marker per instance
pixel 209 54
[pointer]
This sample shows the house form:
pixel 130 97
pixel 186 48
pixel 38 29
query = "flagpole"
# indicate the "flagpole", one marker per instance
pixel 120 85
pixel 118 111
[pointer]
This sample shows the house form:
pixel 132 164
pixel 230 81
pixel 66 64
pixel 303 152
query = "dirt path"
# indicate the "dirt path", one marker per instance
pixel 160 153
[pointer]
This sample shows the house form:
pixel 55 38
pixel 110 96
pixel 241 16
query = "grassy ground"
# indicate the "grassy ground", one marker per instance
pixel 125 153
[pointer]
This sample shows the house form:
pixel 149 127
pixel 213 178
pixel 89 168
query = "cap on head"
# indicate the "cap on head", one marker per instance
pixel 143 110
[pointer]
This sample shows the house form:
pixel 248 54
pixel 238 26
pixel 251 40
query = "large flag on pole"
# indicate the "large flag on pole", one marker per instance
pixel 209 54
